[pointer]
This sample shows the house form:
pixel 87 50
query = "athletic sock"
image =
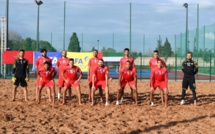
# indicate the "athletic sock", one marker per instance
pixel 58 96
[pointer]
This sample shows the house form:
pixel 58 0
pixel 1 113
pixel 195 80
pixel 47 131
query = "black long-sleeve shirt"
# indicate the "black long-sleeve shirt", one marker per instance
pixel 189 68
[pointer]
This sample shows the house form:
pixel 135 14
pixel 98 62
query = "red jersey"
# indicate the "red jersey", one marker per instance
pixel 71 73
pixel 128 74
pixel 62 63
pixel 93 63
pixel 153 63
pixel 123 61
pixel 47 75
pixel 159 75
pixel 100 73
pixel 40 62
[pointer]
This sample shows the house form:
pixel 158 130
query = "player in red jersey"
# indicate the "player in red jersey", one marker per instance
pixel 128 75
pixel 153 64
pixel 122 65
pixel 100 79
pixel 46 76
pixel 60 65
pixel 40 65
pixel 93 63
pixel 70 76
pixel 159 78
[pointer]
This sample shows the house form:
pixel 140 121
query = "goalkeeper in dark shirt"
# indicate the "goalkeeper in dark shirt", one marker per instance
pixel 189 68
pixel 20 74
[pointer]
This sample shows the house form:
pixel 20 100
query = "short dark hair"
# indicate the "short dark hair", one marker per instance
pixel 101 60
pixel 190 53
pixel 71 59
pixel 43 50
pixel 156 51
pixel 95 50
pixel 128 61
pixel 126 49
pixel 48 63
pixel 22 50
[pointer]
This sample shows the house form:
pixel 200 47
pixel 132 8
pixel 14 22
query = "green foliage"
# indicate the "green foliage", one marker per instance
pixel 93 48
pixel 74 44
pixel 164 50
pixel 108 50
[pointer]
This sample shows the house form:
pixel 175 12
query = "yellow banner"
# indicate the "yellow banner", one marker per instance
pixel 81 59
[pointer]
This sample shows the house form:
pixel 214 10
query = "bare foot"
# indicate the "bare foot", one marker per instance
pixel 26 100
pixel 195 104
pixel 13 100
pixel 80 104
pixel 101 100
pixel 92 104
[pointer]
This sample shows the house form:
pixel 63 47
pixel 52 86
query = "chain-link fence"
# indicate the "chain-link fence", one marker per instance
pixel 112 27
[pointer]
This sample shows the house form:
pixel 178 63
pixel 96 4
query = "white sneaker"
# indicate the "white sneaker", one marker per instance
pixel 106 104
pixel 121 100
pixel 152 103
pixel 117 103
pixel 182 102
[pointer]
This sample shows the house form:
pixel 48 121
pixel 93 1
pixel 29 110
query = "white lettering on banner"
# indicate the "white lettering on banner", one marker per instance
pixel 54 60
pixel 78 61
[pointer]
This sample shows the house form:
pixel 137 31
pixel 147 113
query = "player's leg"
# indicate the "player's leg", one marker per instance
pixel 37 88
pixel 107 96
pixel 69 92
pixel 90 91
pixel 49 94
pixel 93 96
pixel 64 95
pixel 77 86
pixel 100 93
pixel 52 89
pixel 24 86
pixel 166 96
pixel 185 84
pixel 39 94
pixel 162 96
pixel 15 85
pixel 152 95
pixel 192 86
pixel 135 94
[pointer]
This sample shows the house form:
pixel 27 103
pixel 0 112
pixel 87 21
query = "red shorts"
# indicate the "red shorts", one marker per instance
pixel 68 85
pixel 61 81
pixel 130 83
pixel 161 85
pixel 102 84
pixel 46 83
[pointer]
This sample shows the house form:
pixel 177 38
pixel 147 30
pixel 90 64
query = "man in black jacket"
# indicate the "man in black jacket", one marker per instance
pixel 189 68
pixel 20 74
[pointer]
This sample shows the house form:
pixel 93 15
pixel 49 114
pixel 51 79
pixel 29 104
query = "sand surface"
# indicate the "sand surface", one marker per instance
pixel 27 117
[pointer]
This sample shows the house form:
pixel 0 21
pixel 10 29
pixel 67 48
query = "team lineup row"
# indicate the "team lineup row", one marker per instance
pixel 70 75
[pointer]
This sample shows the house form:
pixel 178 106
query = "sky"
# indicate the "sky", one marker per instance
pixel 108 22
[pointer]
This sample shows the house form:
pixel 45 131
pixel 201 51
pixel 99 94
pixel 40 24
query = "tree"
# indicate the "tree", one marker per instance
pixel 108 50
pixel 164 50
pixel 93 48
pixel 167 50
pixel 74 44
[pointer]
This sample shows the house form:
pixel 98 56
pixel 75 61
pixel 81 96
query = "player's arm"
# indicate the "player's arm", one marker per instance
pixel 54 73
pixel 135 76
pixel 196 68
pixel 120 78
pixel 106 77
pixel 150 64
pixel 182 67
pixel 152 79
pixel 89 69
pixel 166 78
pixel 93 80
pixel 57 64
pixel 80 74
pixel 14 68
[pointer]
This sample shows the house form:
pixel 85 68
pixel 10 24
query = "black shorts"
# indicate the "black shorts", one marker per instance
pixel 20 81
pixel 189 82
